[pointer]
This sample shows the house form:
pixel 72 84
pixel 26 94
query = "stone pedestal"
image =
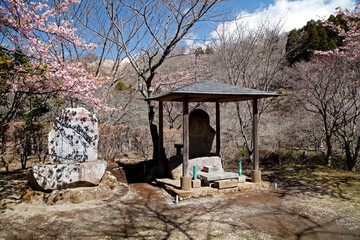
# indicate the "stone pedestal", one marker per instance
pixel 211 169
pixel 242 179
pixel 256 175
pixel 185 183
pixel 196 183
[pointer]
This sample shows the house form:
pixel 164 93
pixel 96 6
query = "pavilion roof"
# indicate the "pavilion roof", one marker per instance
pixel 210 91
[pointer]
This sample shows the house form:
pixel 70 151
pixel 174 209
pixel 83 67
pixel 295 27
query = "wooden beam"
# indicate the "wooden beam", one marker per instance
pixel 218 128
pixel 185 137
pixel 255 135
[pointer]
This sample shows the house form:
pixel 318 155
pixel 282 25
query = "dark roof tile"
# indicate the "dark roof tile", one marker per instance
pixel 210 91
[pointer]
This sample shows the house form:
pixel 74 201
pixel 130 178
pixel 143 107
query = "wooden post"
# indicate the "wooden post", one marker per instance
pixel 255 173
pixel 218 128
pixel 161 166
pixel 255 135
pixel 185 137
pixel 161 132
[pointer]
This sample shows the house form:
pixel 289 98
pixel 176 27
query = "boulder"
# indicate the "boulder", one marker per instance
pixel 107 188
pixel 71 175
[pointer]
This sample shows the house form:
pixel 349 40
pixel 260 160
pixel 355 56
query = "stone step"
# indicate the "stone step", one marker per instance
pixel 229 183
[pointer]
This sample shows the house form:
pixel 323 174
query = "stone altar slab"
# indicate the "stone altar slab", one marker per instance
pixel 218 176
pixel 175 164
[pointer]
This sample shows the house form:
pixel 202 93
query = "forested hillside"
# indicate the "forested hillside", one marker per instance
pixel 314 36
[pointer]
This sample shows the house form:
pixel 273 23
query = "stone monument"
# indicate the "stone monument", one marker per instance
pixel 201 137
pixel 73 145
pixel 201 134
pixel 74 137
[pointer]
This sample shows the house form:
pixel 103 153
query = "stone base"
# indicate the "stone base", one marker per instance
pixel 61 176
pixel 196 183
pixel 226 183
pixel 185 183
pixel 107 187
pixel 173 188
pixel 175 165
pixel 256 176
pixel 242 179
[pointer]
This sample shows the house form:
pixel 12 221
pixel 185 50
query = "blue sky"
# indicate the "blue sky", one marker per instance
pixel 294 13
pixel 249 6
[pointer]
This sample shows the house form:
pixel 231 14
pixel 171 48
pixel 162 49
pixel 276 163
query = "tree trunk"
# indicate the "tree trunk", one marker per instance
pixel 6 164
pixel 159 159
pixel 352 160
pixel 23 160
pixel 328 151
pixel 356 155
pixel 243 133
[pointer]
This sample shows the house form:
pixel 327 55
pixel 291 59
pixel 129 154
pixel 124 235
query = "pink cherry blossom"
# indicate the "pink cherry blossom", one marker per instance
pixel 351 49
pixel 30 26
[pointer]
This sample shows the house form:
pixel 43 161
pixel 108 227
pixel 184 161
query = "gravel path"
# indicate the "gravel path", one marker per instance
pixel 147 212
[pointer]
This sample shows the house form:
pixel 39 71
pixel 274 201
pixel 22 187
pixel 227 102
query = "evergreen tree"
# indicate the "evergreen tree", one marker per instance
pixel 314 36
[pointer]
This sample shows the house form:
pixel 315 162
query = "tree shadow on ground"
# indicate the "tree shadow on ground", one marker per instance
pixel 138 172
pixel 11 185
pixel 150 215
pixel 210 218
pixel 318 180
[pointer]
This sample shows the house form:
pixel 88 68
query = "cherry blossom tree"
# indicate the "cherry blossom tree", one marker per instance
pixel 323 89
pixel 36 63
pixel 32 29
pixel 347 132
pixel 351 34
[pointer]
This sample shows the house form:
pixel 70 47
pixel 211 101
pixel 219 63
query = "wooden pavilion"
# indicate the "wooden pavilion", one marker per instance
pixel 209 91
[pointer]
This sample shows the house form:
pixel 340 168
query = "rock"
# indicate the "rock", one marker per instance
pixel 60 176
pixel 107 188
pixel 74 137
pixel 175 164
pixel 201 134
pixel 117 171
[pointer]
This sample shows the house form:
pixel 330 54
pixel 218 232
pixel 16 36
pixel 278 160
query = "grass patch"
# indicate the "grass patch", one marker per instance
pixel 320 180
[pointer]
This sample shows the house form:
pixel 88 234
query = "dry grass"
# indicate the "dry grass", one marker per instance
pixel 320 187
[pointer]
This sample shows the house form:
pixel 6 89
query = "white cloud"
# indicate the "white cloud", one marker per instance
pixel 295 14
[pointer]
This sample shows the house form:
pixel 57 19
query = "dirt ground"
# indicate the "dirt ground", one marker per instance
pixel 309 204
